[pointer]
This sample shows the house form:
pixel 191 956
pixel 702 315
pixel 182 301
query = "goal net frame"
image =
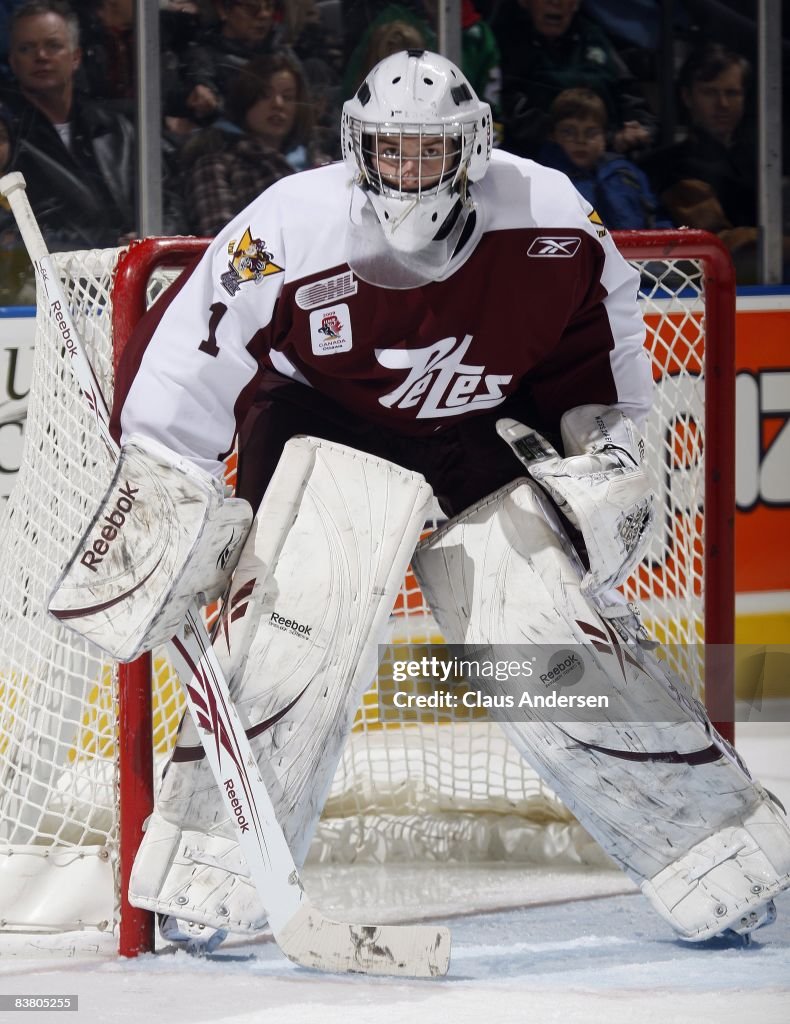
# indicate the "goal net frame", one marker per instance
pixel 674 262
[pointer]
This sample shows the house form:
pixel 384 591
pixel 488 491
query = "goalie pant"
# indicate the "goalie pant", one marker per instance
pixel 665 796
pixel 298 640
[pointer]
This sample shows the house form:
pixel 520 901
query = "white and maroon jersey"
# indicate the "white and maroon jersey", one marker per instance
pixel 545 305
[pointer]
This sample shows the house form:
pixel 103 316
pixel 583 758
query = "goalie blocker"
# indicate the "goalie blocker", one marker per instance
pixel 665 796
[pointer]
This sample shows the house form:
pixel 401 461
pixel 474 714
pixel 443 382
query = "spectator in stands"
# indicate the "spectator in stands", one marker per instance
pixel 314 32
pixel 387 35
pixel 109 51
pixel 618 190
pixel 399 26
pixel 546 47
pixel 107 42
pixel 243 30
pixel 266 135
pixel 708 180
pixel 6 7
pixel 77 156
pixel 310 36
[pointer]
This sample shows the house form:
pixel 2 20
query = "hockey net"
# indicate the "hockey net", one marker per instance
pixel 78 736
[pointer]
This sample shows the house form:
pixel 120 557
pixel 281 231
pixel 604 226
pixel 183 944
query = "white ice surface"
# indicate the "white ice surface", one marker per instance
pixel 571 946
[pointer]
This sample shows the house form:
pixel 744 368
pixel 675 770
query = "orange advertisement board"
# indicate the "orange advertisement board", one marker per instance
pixel 762 420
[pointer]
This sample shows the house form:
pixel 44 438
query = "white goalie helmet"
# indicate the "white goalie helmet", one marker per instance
pixel 414 135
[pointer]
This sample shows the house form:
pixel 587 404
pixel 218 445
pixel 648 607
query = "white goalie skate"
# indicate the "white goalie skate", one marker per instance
pixel 198 939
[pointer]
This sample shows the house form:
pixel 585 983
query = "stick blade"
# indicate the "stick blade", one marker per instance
pixel 406 951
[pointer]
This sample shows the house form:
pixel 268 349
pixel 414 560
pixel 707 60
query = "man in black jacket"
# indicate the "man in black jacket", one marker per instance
pixel 709 179
pixel 77 155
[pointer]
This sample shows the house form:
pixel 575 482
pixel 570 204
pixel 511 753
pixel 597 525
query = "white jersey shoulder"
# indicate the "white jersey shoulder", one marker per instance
pixel 519 193
pixel 291 230
pixel 312 206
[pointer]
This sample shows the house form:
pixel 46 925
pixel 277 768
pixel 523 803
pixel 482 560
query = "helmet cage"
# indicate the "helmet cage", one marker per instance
pixel 435 175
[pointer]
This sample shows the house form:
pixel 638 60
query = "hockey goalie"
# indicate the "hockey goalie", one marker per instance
pixel 426 317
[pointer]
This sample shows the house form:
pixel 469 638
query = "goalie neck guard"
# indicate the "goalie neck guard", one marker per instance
pixel 414 136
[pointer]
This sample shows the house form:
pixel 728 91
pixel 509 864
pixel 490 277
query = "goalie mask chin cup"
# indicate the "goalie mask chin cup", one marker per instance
pixel 415 136
pixel 375 261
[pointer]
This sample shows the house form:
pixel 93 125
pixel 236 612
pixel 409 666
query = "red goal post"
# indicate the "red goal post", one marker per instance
pixel 686 583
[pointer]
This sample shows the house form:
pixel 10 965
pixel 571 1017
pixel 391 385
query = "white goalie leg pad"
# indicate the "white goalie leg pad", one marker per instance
pixel 299 634
pixel 665 796
pixel 164 535
pixel 602 487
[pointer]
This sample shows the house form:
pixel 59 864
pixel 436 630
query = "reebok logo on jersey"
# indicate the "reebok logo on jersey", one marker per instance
pixel 438 383
pixel 557 247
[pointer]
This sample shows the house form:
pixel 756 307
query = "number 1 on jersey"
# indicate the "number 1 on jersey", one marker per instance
pixel 210 346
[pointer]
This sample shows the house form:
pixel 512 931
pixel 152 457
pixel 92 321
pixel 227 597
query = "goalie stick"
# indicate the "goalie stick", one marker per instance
pixel 301 931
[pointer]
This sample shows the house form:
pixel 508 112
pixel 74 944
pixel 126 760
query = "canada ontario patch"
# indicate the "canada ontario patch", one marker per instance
pixel 330 330
pixel 249 261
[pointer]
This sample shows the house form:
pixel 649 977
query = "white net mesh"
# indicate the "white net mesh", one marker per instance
pixel 431 790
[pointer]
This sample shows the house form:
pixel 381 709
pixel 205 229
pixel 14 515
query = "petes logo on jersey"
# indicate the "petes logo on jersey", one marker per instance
pixel 555 246
pixel 249 261
pixel 438 383
pixel 330 330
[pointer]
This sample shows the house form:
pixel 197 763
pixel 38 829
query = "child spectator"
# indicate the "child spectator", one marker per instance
pixel 616 187
pixel 546 47
pixel 267 134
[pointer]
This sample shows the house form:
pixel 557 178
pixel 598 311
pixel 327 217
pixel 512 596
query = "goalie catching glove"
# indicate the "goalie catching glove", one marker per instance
pixel 163 536
pixel 602 489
